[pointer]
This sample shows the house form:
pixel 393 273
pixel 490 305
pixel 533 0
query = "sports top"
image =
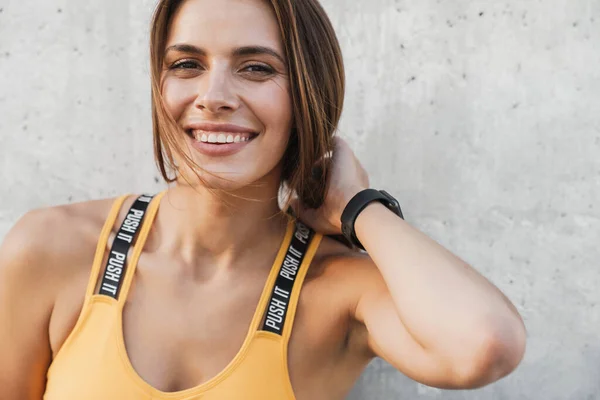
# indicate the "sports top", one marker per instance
pixel 93 364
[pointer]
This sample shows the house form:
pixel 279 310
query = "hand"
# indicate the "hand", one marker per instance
pixel 347 178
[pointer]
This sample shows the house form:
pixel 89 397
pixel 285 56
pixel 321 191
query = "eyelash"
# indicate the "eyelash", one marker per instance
pixel 185 64
pixel 180 64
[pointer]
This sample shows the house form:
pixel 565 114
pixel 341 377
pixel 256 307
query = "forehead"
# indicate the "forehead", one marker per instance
pixel 216 25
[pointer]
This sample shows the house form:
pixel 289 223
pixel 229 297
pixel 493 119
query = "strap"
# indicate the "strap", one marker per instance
pixel 139 246
pixel 102 243
pixel 310 254
pixel 358 203
pixel 282 304
pixel 116 264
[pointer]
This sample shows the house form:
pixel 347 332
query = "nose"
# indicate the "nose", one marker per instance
pixel 216 94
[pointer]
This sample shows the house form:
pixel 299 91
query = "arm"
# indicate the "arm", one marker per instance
pixel 429 313
pixel 425 310
pixel 25 307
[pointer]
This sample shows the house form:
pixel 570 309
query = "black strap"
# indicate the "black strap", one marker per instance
pixel 117 263
pixel 358 203
pixel 281 295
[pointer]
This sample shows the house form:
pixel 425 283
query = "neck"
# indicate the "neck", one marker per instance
pixel 218 228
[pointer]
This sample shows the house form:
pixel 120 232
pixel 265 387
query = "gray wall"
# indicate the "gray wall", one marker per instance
pixel 482 117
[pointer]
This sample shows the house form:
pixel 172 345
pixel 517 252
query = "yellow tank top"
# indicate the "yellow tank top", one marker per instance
pixel 93 363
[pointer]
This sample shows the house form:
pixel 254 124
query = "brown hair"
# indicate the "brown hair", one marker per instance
pixel 316 72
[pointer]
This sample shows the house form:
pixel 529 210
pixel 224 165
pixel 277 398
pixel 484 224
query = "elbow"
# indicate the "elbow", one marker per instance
pixel 497 355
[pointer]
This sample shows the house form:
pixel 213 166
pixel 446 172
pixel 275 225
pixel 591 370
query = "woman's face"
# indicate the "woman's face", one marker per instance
pixel 225 83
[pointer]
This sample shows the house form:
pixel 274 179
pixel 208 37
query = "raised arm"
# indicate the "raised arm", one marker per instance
pixel 429 313
pixel 426 311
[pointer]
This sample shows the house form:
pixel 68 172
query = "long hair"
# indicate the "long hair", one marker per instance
pixel 317 84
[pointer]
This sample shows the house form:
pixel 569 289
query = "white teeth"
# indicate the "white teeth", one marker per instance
pixel 217 137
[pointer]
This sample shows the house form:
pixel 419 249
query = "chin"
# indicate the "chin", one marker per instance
pixel 217 181
pixel 234 175
pixel 230 181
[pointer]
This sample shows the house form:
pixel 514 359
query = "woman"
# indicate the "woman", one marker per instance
pixel 246 97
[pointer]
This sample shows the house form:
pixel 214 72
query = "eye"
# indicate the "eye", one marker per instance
pixel 185 64
pixel 258 69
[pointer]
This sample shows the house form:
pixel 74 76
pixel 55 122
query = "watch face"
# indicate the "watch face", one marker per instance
pixel 393 202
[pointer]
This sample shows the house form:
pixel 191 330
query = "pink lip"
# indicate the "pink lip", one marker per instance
pixel 214 127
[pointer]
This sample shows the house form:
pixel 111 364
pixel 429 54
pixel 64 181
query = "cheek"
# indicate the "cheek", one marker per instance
pixel 272 105
pixel 177 94
pixel 281 113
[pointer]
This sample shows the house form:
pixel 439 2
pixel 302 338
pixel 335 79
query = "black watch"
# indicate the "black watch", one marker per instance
pixel 358 203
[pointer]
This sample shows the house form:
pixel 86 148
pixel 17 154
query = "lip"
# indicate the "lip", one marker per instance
pixel 216 127
pixel 219 150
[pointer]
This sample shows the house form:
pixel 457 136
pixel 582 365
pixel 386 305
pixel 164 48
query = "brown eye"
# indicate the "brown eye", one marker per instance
pixel 185 64
pixel 258 69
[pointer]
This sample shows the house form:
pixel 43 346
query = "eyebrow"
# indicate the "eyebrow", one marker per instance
pixel 238 52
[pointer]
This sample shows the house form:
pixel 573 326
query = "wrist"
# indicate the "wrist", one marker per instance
pixel 344 198
pixel 357 207
pixel 348 195
pixel 374 210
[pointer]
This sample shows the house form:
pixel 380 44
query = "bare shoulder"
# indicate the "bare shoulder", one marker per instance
pixel 40 257
pixel 49 243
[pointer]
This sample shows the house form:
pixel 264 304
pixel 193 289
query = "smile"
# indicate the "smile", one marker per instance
pixel 220 144
pixel 220 137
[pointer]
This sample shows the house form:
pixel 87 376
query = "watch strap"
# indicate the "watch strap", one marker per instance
pixel 358 203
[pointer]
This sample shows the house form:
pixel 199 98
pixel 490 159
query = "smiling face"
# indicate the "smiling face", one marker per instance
pixel 225 83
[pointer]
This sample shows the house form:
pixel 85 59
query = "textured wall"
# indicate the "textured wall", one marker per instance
pixel 482 117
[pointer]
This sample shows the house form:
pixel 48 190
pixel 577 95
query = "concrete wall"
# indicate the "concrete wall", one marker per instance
pixel 483 118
